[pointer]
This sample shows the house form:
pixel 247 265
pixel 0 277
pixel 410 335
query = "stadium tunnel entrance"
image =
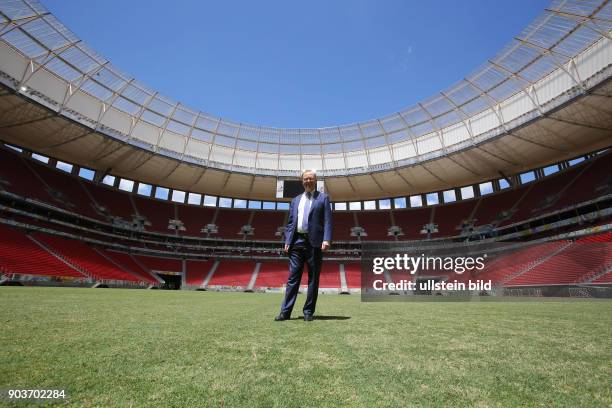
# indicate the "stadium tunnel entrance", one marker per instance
pixel 172 281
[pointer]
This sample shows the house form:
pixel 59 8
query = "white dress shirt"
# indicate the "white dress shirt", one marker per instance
pixel 300 219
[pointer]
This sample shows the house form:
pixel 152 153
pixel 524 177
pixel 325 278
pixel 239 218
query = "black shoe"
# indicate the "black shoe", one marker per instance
pixel 308 318
pixel 281 317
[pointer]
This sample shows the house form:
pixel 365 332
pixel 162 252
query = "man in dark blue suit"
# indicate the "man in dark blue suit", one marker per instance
pixel 307 235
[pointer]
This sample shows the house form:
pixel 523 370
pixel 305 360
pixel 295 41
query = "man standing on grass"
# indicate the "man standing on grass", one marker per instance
pixel 307 235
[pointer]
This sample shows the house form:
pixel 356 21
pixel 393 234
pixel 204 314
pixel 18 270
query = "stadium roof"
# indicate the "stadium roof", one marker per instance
pixel 542 98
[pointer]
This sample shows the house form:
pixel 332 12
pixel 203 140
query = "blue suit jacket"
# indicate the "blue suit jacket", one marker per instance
pixel 319 220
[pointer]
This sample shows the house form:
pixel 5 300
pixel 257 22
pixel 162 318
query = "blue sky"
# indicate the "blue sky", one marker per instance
pixel 297 64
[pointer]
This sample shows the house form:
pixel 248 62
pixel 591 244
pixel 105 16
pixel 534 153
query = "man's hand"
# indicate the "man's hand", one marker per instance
pixel 325 246
pixel 286 248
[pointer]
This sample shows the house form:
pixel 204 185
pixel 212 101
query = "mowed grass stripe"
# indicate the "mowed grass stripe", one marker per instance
pixel 174 349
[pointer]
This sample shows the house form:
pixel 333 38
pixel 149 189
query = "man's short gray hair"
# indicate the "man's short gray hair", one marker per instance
pixel 313 171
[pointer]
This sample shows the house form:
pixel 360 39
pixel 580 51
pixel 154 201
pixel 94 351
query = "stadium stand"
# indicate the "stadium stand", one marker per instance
pixel 497 208
pixel 595 175
pixel 20 179
pixel 266 224
pixel 545 196
pixel 233 273
pixel 330 276
pixel 157 213
pixel 450 218
pixel 603 237
pixel 411 221
pixel 572 265
pixel 604 278
pixel 69 192
pixel 272 275
pixel 375 223
pixel 159 264
pixel 517 204
pixel 511 264
pixel 194 218
pixel 20 254
pixel 352 271
pixel 126 261
pixel 509 207
pixel 231 221
pixel 86 258
pixel 110 202
pixel 343 222
pixel 196 272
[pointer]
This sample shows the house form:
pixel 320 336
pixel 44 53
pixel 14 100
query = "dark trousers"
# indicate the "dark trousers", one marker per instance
pixel 300 253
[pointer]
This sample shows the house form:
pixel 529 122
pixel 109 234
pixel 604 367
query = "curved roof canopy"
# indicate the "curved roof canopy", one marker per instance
pixel 558 57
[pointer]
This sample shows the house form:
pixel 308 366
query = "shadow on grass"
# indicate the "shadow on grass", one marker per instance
pixel 317 317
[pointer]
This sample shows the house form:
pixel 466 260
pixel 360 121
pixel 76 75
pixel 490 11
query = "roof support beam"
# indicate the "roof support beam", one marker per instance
pixel 464 118
pixel 412 135
pixel 582 20
pixel 436 127
pixel 535 102
pixel 557 63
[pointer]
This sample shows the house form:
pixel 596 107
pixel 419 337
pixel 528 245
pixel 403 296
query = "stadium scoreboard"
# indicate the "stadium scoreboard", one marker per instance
pixel 289 188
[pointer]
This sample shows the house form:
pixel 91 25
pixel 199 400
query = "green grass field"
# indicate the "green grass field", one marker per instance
pixel 110 347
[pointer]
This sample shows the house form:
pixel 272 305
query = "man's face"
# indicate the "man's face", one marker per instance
pixel 309 181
